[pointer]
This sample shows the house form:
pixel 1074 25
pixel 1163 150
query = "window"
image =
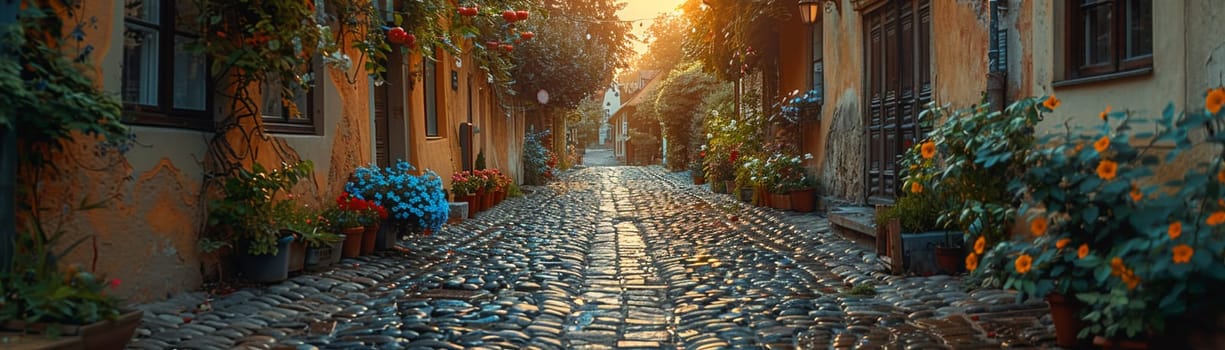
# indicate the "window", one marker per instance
pixel 297 116
pixel 430 80
pixel 1109 36
pixel 818 58
pixel 163 83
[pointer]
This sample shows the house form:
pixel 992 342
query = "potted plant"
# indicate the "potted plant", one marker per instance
pixel 346 222
pixel 295 219
pixel 323 248
pixel 39 297
pixel 1140 256
pixel 695 169
pixel 243 214
pixel 413 202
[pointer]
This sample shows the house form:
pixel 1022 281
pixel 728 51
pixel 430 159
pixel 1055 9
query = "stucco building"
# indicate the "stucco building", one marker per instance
pixel 879 62
pixel 147 235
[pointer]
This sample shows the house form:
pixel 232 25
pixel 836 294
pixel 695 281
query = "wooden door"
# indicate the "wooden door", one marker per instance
pixel 382 125
pixel 898 80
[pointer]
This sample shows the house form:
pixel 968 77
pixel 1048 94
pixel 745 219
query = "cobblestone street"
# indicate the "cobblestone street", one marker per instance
pixel 607 257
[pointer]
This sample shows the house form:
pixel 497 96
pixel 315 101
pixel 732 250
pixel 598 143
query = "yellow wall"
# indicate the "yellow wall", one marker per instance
pixel 836 143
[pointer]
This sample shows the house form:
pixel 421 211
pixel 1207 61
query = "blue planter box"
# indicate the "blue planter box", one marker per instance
pixel 919 251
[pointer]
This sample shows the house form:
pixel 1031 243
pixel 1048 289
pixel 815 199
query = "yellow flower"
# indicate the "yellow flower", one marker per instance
pixel 1136 195
pixel 980 245
pixel 1182 253
pixel 1051 103
pixel 1024 262
pixel 1038 226
pixel 928 150
pixel 1216 218
pixel 1216 98
pixel 1104 113
pixel 1083 251
pixel 1102 144
pixel 1107 169
pixel 916 187
pixel 1175 229
pixel 971 262
pixel 1062 242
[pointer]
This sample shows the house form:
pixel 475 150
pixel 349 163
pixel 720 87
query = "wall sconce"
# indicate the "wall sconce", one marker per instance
pixel 810 10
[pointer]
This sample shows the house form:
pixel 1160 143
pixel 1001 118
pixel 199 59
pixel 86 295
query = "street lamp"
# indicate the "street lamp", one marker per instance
pixel 810 10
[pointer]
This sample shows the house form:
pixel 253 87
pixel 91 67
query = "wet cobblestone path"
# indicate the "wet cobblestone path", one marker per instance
pixel 606 258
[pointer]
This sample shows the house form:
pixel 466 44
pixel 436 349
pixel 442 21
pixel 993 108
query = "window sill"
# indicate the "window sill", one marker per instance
pixel 433 138
pixel 1104 77
pixel 291 128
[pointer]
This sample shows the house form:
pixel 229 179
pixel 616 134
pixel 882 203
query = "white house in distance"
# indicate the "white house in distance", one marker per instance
pixel 612 103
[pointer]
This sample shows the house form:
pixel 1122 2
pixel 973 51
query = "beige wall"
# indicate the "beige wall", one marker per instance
pixel 1146 95
pixel 960 42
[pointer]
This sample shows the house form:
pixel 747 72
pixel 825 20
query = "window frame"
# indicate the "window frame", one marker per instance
pixel 1119 61
pixel 312 121
pixel 164 113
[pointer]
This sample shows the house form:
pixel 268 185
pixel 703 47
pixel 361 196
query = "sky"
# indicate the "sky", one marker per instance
pixel 645 10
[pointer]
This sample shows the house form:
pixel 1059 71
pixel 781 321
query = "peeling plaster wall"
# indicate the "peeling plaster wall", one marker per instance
pixel 837 141
pixel 960 42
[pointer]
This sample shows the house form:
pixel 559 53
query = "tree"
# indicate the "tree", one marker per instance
pixel 586 118
pixel 726 34
pixel 578 48
pixel 666 38
pixel 677 103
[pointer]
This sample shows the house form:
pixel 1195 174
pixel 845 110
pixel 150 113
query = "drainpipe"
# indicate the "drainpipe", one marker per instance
pixel 8 161
pixel 997 59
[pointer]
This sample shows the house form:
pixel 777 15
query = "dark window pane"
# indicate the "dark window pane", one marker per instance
pixel 187 16
pixel 1097 34
pixel 431 102
pixel 140 61
pixel 145 10
pixel 1139 28
pixel 190 77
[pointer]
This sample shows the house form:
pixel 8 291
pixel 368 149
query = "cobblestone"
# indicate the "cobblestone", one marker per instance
pixel 607 258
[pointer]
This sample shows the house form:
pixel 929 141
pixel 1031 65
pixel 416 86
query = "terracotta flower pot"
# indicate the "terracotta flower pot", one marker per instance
pixel 1065 313
pixel 780 201
pixel 297 255
pixel 487 202
pixel 103 335
pixel 950 259
pixel 369 237
pixel 479 204
pixel 804 201
pixel 353 242
pixel 699 180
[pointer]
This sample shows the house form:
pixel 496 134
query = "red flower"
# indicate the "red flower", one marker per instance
pixel 735 155
pixel 114 283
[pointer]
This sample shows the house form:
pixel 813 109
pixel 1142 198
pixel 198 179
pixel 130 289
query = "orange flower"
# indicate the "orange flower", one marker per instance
pixel 1175 229
pixel 1083 251
pixel 1079 146
pixel 1182 253
pixel 1129 278
pixel 1116 266
pixel 1107 169
pixel 1216 218
pixel 1216 98
pixel 1220 176
pixel 1136 195
pixel 1063 242
pixel 1102 144
pixel 980 244
pixel 916 187
pixel 1024 263
pixel 1105 113
pixel 972 262
pixel 928 150
pixel 1051 103
pixel 1038 226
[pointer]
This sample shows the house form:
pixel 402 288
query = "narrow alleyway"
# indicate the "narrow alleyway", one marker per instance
pixel 607 257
